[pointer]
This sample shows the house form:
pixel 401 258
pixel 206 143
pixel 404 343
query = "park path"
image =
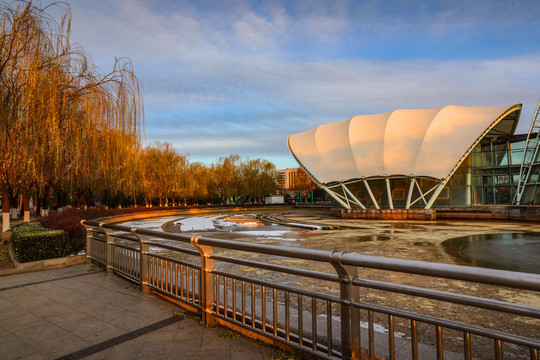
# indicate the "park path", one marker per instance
pixel 79 312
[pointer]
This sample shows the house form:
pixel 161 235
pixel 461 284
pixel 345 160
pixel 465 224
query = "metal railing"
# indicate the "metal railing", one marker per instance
pixel 282 294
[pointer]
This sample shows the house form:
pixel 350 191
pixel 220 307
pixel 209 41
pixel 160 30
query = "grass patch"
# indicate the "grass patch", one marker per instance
pixel 133 286
pixel 278 354
pixel 4 256
pixel 188 315
pixel 228 334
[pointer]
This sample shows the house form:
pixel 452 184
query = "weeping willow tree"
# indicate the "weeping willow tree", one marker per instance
pixel 23 39
pixel 61 119
pixel 68 128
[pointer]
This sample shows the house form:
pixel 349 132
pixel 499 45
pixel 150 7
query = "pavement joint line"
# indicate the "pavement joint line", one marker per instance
pixel 94 349
pixel 49 280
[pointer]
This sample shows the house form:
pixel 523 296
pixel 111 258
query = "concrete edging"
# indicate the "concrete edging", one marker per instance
pixel 42 264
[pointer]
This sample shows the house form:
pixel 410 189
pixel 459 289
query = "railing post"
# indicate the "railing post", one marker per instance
pixel 108 250
pixel 144 249
pixel 350 315
pixel 206 281
pixel 88 239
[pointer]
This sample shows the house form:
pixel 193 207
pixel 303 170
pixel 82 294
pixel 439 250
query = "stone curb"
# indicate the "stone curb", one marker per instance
pixel 41 264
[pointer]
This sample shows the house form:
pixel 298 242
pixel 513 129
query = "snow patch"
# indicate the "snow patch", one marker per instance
pixel 197 223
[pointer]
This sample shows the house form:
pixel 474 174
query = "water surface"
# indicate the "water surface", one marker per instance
pixel 508 251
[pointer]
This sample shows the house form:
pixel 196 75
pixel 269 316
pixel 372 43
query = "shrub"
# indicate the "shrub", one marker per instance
pixel 33 242
pixel 68 220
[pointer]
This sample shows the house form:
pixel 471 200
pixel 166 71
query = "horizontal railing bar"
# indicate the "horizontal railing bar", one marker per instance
pixel 173 248
pixel 308 254
pixel 473 329
pixel 298 253
pixel 491 304
pixel 125 237
pixel 160 234
pixel 161 276
pixel 280 268
pixel 293 290
pixel 511 279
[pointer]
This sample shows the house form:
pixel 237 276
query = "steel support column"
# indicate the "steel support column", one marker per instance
pixel 371 194
pixel 354 198
pixel 389 193
pixel 409 195
pixel 336 197
pixel 435 195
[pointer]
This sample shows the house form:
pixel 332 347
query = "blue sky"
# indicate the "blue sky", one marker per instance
pixel 223 77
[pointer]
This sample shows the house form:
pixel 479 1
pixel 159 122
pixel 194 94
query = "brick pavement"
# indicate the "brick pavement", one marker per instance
pixel 79 312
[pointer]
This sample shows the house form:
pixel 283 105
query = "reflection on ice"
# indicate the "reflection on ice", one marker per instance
pixel 197 223
pixel 216 222
pixel 235 226
pixel 149 224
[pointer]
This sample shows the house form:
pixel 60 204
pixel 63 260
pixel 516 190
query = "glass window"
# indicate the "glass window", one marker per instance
pixel 477 159
pixel 520 145
pixel 495 158
pixel 489 195
pixel 517 157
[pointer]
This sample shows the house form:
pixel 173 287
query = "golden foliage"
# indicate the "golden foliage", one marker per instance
pixel 67 128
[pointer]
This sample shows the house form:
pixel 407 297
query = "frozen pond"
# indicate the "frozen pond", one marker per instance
pixel 222 226
pixel 508 251
pixel 454 242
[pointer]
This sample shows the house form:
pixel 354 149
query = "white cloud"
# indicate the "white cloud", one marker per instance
pixel 264 72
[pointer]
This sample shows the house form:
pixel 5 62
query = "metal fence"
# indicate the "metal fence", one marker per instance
pixel 335 314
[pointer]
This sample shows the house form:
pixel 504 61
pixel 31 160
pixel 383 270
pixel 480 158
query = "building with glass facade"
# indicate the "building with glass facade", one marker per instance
pixel 449 157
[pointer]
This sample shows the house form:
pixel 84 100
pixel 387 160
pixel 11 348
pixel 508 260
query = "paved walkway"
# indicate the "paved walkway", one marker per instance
pixel 79 312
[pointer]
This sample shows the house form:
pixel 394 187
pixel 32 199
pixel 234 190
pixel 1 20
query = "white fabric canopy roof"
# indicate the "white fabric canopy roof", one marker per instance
pixel 425 142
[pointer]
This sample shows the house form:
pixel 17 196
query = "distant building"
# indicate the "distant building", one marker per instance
pixel 452 156
pixel 287 178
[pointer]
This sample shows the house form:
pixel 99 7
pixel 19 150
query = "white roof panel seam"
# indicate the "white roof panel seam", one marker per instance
pixel 420 142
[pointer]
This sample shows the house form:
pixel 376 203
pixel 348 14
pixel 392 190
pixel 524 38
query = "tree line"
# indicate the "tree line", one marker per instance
pixel 70 133
pixel 158 175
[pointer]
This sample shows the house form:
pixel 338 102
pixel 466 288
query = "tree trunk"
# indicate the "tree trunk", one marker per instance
pixel 38 204
pixel 45 201
pixel 5 208
pixel 25 208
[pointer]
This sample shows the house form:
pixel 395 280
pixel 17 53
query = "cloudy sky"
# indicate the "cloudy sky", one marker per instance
pixel 223 77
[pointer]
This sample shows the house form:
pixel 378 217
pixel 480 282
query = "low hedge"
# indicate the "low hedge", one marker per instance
pixel 32 242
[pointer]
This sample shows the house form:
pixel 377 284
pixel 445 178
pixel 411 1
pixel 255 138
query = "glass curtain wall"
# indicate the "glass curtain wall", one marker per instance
pixel 491 173
pixel 488 176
